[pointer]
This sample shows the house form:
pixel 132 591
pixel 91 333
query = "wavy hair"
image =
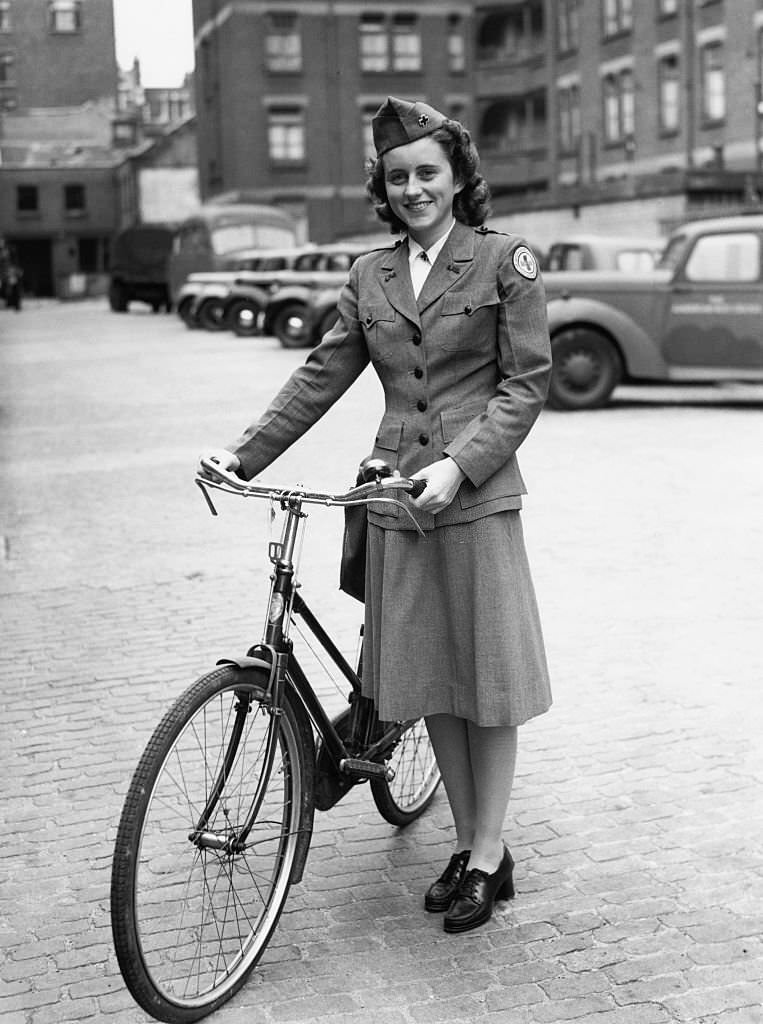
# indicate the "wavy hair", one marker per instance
pixel 470 206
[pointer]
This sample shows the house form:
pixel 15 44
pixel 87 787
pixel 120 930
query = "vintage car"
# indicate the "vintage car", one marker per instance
pixel 630 254
pixel 205 298
pixel 697 317
pixel 285 314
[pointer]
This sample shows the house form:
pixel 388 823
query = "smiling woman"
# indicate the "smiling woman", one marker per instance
pixel 159 35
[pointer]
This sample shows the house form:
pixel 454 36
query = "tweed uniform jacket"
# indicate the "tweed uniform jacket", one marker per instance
pixel 464 369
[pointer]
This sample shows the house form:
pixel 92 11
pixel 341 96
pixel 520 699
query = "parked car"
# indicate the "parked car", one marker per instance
pixel 139 267
pixel 695 317
pixel 598 252
pixel 215 236
pixel 204 299
pixel 287 312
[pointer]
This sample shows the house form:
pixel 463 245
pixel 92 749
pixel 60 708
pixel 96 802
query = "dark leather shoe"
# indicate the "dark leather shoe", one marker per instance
pixel 439 895
pixel 473 903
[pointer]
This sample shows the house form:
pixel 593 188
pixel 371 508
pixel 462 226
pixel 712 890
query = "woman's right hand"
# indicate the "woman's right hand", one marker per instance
pixel 222 457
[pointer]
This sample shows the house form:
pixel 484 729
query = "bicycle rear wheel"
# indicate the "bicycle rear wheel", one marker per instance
pixel 404 798
pixel 192 910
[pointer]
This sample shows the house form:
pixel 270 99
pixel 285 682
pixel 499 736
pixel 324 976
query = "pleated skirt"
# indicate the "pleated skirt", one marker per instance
pixel 452 624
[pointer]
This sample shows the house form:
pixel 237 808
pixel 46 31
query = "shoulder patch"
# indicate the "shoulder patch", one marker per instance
pixel 525 263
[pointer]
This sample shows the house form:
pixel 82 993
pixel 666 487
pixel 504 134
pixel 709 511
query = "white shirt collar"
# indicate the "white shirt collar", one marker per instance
pixel 433 251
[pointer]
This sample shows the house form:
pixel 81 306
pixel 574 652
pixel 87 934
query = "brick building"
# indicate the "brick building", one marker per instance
pixel 56 53
pixel 599 112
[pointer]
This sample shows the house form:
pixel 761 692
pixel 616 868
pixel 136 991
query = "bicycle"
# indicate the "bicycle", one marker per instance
pixel 218 817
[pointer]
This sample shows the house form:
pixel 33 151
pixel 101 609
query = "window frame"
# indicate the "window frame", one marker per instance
pixel 568 26
pixel 57 9
pixel 288 122
pixel 6 19
pixel 663 12
pixel 708 93
pixel 24 209
pixel 373 61
pixel 616 18
pixel 278 60
pixel 456 53
pixel 7 69
pixel 71 190
pixel 664 80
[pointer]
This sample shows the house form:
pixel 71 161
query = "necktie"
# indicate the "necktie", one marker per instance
pixel 419 270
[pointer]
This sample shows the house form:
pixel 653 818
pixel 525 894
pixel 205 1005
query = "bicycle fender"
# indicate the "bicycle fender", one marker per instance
pixel 245 661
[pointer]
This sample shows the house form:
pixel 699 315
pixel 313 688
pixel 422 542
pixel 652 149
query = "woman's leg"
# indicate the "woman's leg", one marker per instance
pixel 492 755
pixel 450 739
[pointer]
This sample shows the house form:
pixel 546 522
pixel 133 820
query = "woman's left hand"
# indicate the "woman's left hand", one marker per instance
pixel 443 480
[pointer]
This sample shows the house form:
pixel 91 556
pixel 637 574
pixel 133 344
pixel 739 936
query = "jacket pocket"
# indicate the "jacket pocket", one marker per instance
pixel 469 312
pixel 378 320
pixel 506 482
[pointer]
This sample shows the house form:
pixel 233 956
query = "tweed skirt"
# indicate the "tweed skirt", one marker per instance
pixel 452 625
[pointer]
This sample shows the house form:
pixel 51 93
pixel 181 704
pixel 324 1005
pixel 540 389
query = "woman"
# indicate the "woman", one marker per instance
pixel 454 321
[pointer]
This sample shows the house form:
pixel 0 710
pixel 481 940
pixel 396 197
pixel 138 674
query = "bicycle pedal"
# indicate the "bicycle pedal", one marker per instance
pixel 366 769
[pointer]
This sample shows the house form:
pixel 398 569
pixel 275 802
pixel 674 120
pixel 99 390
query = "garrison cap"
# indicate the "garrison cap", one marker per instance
pixel 398 122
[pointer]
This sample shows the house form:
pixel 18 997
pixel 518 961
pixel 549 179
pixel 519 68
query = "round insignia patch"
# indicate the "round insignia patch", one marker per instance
pixel 525 263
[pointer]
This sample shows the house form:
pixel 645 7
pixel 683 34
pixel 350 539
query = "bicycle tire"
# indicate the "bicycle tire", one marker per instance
pixel 406 797
pixel 190 923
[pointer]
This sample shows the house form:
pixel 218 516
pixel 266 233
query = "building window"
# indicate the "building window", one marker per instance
pixel 7 69
pixel 65 15
pixel 667 8
pixel 74 200
pixel 617 17
pixel 406 43
pixel 286 135
pixel 27 199
pixel 569 119
pixel 374 44
pixel 713 82
pixel 456 45
pixel 567 26
pixel 5 16
pixel 369 149
pixel 669 93
pixel 619 107
pixel 283 43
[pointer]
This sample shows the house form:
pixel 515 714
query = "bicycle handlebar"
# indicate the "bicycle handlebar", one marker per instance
pixel 223 480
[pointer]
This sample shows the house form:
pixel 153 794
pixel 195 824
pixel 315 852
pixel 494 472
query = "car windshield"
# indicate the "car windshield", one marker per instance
pixel 245 235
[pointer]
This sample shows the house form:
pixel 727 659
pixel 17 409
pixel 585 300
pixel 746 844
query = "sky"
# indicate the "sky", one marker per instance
pixel 160 34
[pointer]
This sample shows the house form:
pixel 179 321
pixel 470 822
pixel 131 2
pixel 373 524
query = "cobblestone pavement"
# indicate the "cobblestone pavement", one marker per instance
pixel 636 821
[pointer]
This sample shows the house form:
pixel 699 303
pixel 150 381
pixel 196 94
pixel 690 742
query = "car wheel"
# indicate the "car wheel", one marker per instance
pixel 243 317
pixel 586 369
pixel 291 326
pixel 118 298
pixel 211 315
pixel 185 312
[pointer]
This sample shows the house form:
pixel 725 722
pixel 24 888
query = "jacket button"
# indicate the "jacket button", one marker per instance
pixel 421 405
pixel 468 309
pixel 416 339
pixel 369 320
pixel 423 438
pixel 418 373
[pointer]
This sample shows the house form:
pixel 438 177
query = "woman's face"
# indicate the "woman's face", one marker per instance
pixel 420 188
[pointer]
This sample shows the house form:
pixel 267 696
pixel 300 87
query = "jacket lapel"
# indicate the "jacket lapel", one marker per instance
pixel 395 279
pixel 454 258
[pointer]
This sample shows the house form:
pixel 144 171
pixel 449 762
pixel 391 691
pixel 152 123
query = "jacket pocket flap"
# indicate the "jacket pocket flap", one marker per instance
pixel 463 302
pixel 372 314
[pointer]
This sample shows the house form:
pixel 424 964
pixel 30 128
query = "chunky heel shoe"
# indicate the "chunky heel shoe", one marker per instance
pixel 477 893
pixel 439 895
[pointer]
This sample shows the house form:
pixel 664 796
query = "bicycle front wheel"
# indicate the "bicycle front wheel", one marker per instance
pixel 404 798
pixel 195 895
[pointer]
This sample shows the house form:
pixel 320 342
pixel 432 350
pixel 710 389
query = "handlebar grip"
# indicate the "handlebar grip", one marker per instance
pixel 417 488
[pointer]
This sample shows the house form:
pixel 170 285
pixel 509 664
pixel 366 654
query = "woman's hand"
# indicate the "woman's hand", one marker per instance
pixel 221 457
pixel 443 480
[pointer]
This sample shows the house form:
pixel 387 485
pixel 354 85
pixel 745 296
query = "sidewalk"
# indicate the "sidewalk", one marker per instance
pixel 636 821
